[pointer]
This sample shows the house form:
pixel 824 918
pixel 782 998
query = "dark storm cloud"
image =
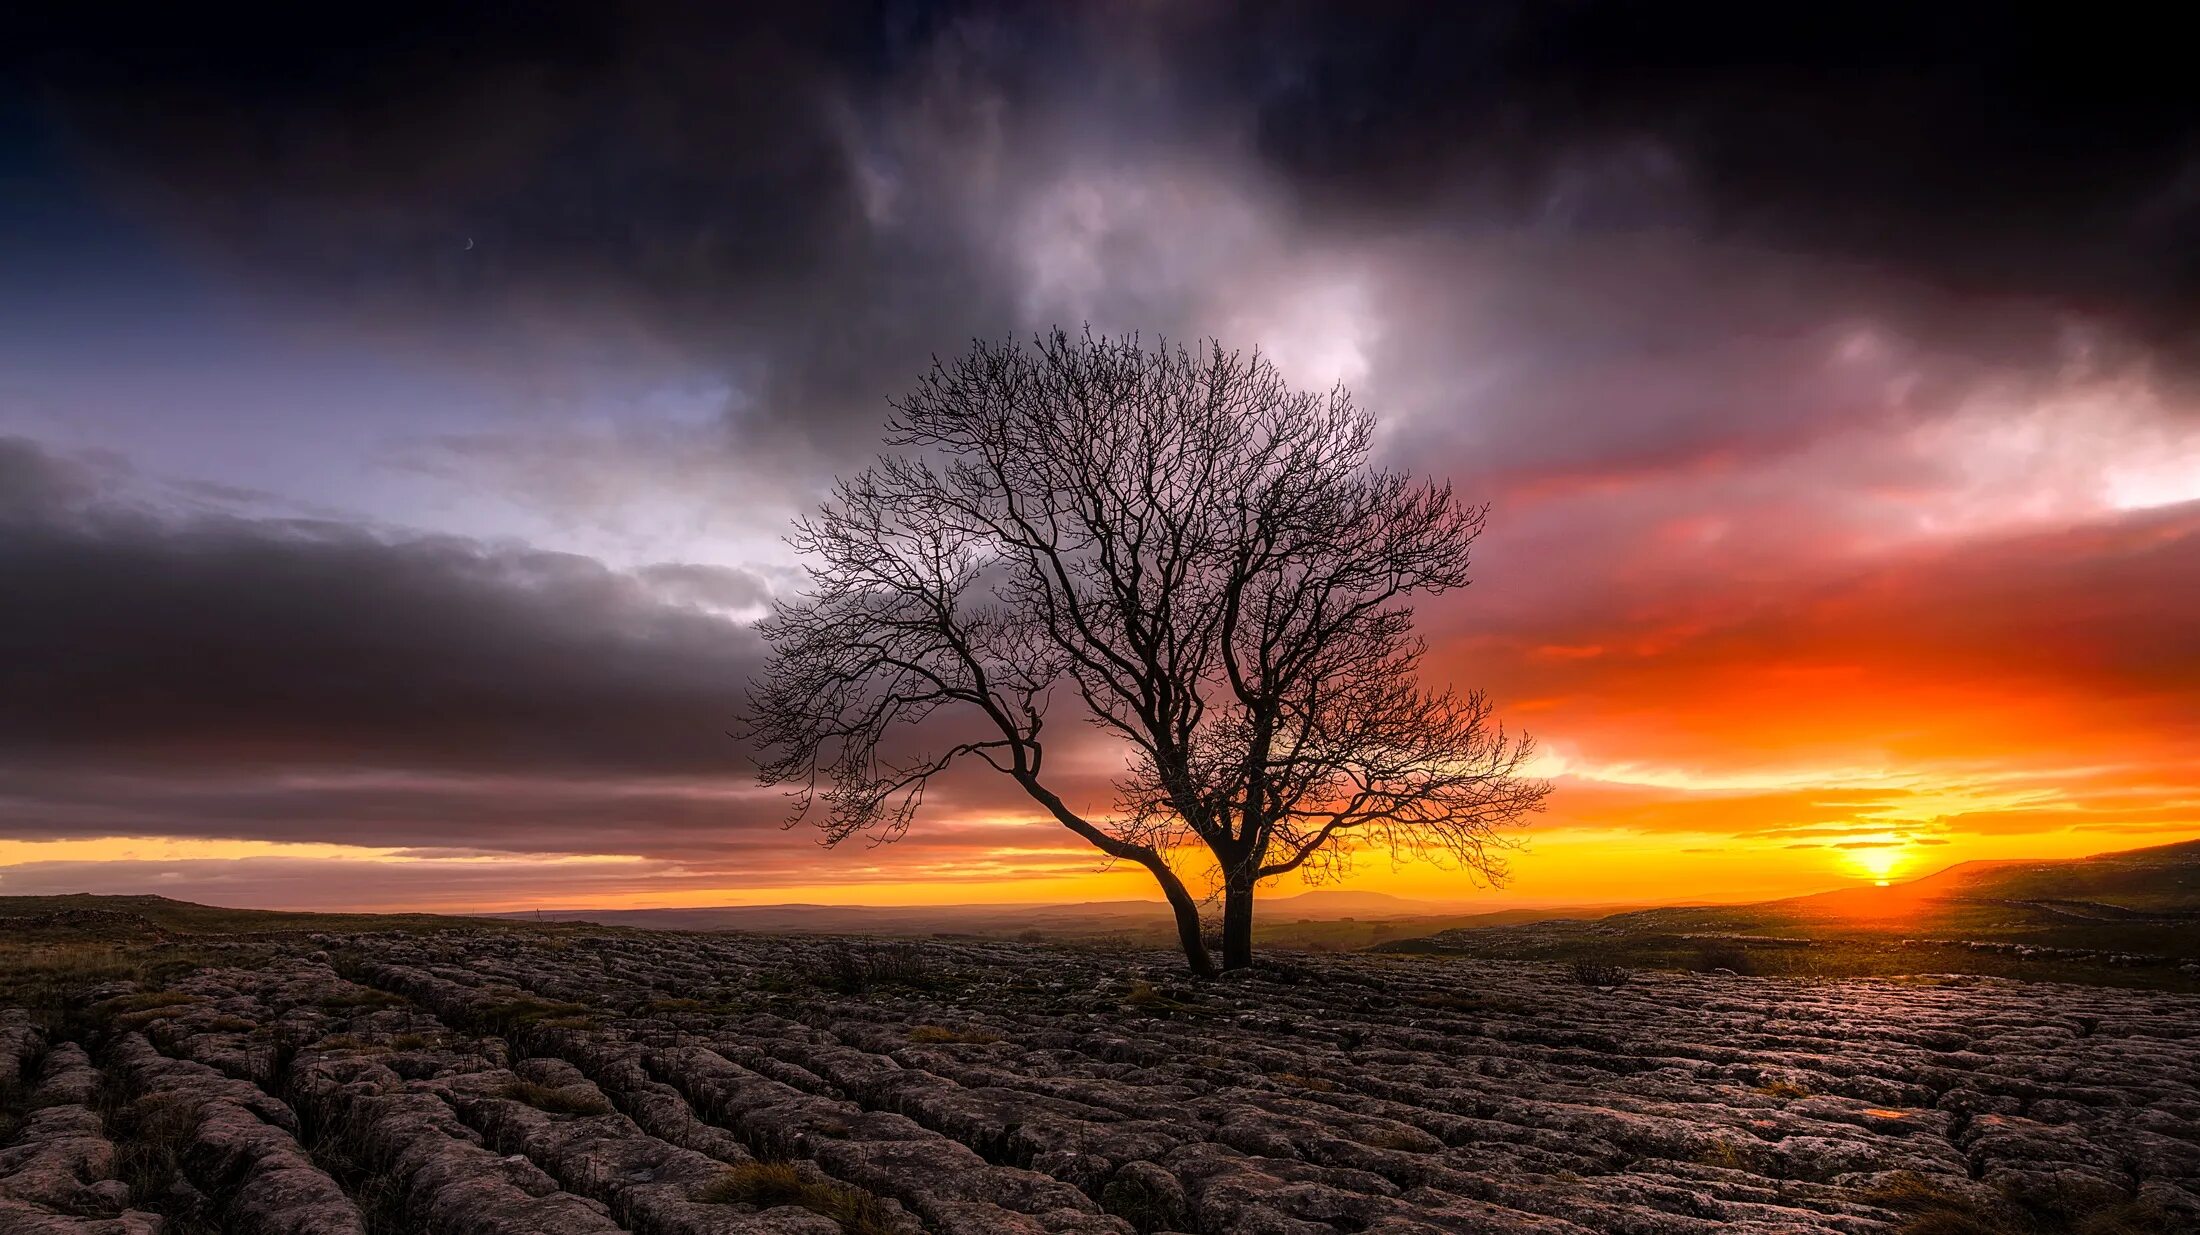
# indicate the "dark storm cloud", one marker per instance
pixel 690 177
pixel 1980 147
pixel 205 676
pixel 133 637
pixel 815 198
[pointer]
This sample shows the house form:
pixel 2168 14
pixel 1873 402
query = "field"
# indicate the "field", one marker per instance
pixel 2119 919
pixel 482 1079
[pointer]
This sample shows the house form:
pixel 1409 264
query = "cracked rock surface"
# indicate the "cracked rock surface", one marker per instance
pixel 574 1082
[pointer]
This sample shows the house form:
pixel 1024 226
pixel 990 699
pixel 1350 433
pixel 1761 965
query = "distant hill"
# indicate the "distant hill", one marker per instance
pixel 1322 919
pixel 2126 917
pixel 2130 917
pixel 112 916
pixel 2158 885
pixel 2160 881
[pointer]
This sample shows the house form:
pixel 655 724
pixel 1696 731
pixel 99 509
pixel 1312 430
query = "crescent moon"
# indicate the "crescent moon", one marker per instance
pixel 469 242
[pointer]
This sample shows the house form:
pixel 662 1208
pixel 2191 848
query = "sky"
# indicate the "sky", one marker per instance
pixel 400 416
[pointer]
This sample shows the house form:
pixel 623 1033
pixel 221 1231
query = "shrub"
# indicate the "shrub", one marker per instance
pixel 1601 975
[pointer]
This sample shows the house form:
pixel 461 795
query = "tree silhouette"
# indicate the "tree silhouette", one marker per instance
pixel 1205 559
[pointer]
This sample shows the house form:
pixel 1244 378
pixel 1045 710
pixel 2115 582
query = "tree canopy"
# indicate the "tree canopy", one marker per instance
pixel 1204 561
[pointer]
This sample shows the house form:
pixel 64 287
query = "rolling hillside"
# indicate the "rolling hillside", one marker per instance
pixel 2131 917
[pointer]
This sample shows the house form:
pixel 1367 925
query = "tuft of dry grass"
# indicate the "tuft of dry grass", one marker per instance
pixel 1144 996
pixel 150 1136
pixel 133 1012
pixel 556 1101
pixel 941 1033
pixel 768 1185
pixel 1783 1089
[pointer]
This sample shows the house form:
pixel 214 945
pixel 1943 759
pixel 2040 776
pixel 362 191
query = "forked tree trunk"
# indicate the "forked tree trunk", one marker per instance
pixel 1237 923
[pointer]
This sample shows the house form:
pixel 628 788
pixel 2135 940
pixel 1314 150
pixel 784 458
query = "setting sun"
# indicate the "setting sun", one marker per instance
pixel 1879 861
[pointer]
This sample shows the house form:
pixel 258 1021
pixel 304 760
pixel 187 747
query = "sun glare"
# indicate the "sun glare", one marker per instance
pixel 1879 863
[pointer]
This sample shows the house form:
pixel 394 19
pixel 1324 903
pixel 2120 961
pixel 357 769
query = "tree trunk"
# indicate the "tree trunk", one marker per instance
pixel 1187 925
pixel 1237 923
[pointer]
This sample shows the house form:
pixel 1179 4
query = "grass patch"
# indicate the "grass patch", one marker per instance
pixel 1790 940
pixel 1930 1208
pixel 1300 1081
pixel 527 1012
pixel 941 1033
pixel 43 974
pixel 127 1013
pixel 1783 1089
pixel 767 1185
pixel 556 1101
pixel 356 998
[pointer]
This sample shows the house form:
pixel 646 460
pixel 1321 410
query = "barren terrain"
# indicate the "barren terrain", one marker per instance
pixel 485 1082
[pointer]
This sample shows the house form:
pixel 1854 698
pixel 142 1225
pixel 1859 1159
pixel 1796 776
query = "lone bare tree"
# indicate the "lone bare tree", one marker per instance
pixel 1205 558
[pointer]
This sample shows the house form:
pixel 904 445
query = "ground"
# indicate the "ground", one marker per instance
pixel 473 1081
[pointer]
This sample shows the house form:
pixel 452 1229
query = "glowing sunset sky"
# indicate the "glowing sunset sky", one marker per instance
pixel 397 425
